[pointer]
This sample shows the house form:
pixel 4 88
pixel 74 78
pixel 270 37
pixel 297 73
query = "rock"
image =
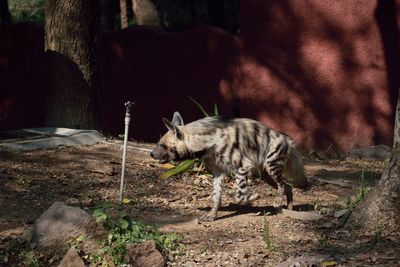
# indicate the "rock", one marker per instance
pixel 72 259
pixel 72 201
pixel 302 261
pixel 144 255
pixel 99 166
pixel 340 213
pixel 62 223
pixel 190 264
pixel 302 215
pixel 380 153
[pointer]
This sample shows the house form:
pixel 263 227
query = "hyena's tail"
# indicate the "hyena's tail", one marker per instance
pixel 294 169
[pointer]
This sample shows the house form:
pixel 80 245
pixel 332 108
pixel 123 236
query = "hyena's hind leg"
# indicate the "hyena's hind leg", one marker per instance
pixel 216 197
pixel 275 171
pixel 242 190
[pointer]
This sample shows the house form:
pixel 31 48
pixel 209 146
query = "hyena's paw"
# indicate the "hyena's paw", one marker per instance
pixel 290 205
pixel 209 217
pixel 278 203
pixel 254 197
pixel 246 200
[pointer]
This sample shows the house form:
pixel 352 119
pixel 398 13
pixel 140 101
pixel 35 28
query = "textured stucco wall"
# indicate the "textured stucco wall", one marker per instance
pixel 315 69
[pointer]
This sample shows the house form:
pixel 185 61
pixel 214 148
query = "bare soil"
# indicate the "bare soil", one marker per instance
pixel 32 181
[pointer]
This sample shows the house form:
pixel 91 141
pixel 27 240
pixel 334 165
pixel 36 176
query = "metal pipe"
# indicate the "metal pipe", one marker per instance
pixel 128 106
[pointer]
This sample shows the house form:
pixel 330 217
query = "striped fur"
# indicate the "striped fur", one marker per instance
pixel 235 146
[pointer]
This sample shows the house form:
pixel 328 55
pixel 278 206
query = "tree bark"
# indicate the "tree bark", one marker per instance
pixel 107 14
pixel 216 13
pixel 145 13
pixel 71 45
pixel 5 13
pixel 123 5
pixel 380 210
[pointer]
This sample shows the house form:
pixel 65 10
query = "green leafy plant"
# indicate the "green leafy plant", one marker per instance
pixel 180 168
pixel 324 242
pixel 377 237
pixel 350 203
pixel 362 192
pixel 123 230
pixel 27 10
pixel 317 204
pixel 205 113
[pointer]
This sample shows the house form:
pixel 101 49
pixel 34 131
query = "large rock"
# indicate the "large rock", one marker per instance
pixel 304 261
pixel 302 215
pixel 380 152
pixel 62 223
pixel 72 259
pixel 144 255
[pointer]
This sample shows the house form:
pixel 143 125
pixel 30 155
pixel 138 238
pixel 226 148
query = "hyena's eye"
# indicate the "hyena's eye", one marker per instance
pixel 164 147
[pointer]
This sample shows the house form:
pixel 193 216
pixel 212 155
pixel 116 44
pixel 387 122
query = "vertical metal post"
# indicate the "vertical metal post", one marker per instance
pixel 128 106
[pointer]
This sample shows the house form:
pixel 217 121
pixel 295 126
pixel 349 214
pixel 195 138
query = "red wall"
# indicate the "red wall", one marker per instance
pixel 314 69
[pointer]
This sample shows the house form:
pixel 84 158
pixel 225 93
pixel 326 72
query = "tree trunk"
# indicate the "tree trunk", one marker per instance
pixel 71 45
pixel 216 13
pixel 123 5
pixel 107 14
pixel 145 13
pixel 380 210
pixel 4 13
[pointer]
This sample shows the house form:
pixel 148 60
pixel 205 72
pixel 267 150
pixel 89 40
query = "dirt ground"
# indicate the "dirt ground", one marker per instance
pixel 84 176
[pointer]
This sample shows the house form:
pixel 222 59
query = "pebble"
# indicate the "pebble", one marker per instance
pixel 190 264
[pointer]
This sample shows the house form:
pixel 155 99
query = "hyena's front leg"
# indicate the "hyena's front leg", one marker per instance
pixel 218 182
pixel 242 191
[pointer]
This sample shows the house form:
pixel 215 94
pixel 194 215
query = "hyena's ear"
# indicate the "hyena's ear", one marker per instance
pixel 177 119
pixel 171 127
pixel 168 124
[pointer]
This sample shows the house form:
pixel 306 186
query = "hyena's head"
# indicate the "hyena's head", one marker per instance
pixel 172 145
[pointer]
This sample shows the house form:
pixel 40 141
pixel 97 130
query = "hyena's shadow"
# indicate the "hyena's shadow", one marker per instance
pixel 255 210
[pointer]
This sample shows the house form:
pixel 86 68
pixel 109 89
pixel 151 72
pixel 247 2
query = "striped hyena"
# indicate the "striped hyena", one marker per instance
pixel 235 146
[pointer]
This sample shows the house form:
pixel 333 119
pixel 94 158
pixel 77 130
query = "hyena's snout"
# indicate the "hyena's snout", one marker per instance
pixel 160 154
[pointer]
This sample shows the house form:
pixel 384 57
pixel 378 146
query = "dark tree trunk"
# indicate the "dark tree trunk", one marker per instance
pixel 381 207
pixel 193 13
pixel 5 13
pixel 71 45
pixel 145 13
pixel 216 13
pixel 107 14
pixel 123 6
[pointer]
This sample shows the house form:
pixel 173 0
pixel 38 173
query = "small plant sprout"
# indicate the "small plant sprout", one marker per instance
pixel 350 203
pixel 266 234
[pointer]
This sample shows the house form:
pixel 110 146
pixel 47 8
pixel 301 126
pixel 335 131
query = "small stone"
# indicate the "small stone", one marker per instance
pixel 72 259
pixel 326 225
pixel 340 213
pixel 72 201
pixel 190 264
pixel 144 254
pixel 302 215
